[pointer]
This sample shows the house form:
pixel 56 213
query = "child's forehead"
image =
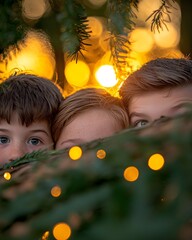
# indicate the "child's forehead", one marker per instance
pixel 15 119
pixel 16 125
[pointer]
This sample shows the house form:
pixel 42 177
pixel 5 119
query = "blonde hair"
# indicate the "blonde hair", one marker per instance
pixel 159 74
pixel 83 100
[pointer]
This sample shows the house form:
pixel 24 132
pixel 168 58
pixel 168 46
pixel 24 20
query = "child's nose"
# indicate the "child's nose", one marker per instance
pixel 17 151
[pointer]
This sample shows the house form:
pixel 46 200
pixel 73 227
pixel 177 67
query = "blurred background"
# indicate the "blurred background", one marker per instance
pixel 42 53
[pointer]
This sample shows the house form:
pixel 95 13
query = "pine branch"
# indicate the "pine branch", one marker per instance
pixel 74 28
pixel 12 27
pixel 96 201
pixel 120 25
pixel 159 16
pixel 28 158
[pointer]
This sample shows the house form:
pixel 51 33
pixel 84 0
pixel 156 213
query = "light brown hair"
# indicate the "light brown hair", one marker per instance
pixel 86 99
pixel 158 74
pixel 33 98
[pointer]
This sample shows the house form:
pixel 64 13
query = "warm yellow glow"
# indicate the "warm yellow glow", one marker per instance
pixel 77 74
pixel 104 41
pixel 2 71
pixel 156 161
pixel 61 231
pixel 45 236
pixel 131 174
pixel 7 176
pixel 146 7
pixel 75 153
pixel 167 38
pixel 34 9
pixel 56 191
pixel 106 76
pixel 97 3
pixel 141 40
pixel 101 154
pixel 95 26
pixel 35 56
pixel 173 53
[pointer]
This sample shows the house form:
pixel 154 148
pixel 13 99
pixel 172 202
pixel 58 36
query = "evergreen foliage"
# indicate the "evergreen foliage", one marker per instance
pixel 12 27
pixel 70 20
pixel 96 201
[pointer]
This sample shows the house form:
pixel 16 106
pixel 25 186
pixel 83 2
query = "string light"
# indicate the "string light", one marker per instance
pixel 75 153
pixel 131 174
pixel 101 154
pixel 7 176
pixel 61 231
pixel 156 161
pixel 45 236
pixel 56 191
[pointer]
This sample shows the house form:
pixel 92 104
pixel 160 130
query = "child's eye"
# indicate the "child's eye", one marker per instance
pixel 141 123
pixel 34 141
pixel 4 140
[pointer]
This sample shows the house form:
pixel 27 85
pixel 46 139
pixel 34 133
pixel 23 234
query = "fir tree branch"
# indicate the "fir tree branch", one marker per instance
pixel 28 158
pixel 74 28
pixel 159 16
pixel 120 25
pixel 12 27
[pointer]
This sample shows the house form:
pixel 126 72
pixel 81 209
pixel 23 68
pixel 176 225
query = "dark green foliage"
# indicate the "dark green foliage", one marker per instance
pixel 11 24
pixel 74 28
pixel 121 23
pixel 96 201
pixel 71 32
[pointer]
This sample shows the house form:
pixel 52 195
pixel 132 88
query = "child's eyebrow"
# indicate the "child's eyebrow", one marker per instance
pixel 4 130
pixel 136 114
pixel 180 105
pixel 39 130
pixel 74 141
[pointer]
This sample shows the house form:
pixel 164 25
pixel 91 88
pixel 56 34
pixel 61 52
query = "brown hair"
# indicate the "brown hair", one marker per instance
pixel 159 74
pixel 33 98
pixel 83 100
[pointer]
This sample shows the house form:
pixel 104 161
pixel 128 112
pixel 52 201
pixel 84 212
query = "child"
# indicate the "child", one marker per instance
pixel 27 107
pixel 87 115
pixel 160 88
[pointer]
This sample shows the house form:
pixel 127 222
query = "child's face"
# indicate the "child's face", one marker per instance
pixel 146 108
pixel 88 126
pixel 16 140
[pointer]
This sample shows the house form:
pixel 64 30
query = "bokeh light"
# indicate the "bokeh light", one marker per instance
pixel 106 76
pixel 56 191
pixel 34 9
pixel 168 37
pixel 101 154
pixel 146 7
pixel 104 41
pixel 35 56
pixel 141 40
pixel 95 26
pixel 75 153
pixel 45 236
pixel 7 176
pixel 156 161
pixel 131 174
pixel 77 73
pixel 61 231
pixel 95 4
pixel 95 68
